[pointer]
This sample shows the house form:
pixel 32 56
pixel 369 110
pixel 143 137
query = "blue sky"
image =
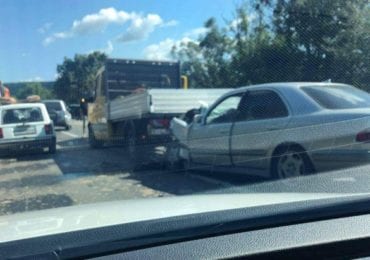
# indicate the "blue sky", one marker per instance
pixel 35 35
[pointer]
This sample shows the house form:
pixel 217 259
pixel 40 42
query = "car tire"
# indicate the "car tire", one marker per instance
pixel 186 165
pixel 93 142
pixel 134 150
pixel 68 127
pixel 290 161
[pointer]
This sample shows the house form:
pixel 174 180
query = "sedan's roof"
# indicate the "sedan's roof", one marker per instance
pixel 293 85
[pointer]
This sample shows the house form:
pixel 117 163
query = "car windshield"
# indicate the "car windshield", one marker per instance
pixel 53 106
pixel 176 107
pixel 21 115
pixel 339 97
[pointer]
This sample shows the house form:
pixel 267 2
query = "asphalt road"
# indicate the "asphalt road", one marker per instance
pixel 77 174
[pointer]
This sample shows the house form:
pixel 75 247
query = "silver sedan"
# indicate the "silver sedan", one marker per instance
pixel 280 130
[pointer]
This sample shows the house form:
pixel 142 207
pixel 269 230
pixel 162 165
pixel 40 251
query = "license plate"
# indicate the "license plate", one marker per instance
pixel 24 130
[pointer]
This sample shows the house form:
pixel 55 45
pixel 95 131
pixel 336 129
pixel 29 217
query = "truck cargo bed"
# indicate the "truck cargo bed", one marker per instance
pixel 160 101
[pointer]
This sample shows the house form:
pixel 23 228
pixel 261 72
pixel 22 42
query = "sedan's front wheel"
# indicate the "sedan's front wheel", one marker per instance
pixel 291 162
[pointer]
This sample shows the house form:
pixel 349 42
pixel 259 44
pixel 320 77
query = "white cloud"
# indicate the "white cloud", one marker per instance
pixel 196 33
pixel 170 23
pixel 107 50
pixel 162 50
pixel 44 28
pixel 34 79
pixel 234 23
pixel 56 36
pixel 93 23
pixel 139 25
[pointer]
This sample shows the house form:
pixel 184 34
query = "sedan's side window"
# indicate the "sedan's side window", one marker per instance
pixel 262 104
pixel 225 111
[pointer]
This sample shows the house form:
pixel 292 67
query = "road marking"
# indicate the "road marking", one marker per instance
pixel 71 135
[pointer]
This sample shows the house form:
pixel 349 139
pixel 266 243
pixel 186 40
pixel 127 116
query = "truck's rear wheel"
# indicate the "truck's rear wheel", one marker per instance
pixel 93 142
pixel 131 145
pixel 133 149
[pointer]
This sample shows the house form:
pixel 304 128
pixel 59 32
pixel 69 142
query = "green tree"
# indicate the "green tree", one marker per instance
pixel 302 40
pixel 33 88
pixel 332 36
pixel 76 76
pixel 206 62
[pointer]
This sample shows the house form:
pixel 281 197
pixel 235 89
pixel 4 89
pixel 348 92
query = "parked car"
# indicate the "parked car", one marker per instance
pixel 59 113
pixel 75 111
pixel 26 126
pixel 280 130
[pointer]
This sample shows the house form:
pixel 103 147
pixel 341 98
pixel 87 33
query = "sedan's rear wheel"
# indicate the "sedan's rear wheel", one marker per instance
pixel 291 162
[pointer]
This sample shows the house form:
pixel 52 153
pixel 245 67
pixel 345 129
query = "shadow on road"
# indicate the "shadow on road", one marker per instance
pixel 176 183
pixel 36 203
pixel 25 155
pixel 73 143
pixel 92 161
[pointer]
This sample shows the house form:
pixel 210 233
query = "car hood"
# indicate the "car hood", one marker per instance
pixel 81 217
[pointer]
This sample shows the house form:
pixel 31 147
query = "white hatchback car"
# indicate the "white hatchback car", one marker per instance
pixel 26 126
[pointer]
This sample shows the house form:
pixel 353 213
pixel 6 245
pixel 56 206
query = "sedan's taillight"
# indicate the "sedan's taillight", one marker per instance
pixel 48 129
pixel 363 136
pixel 1 133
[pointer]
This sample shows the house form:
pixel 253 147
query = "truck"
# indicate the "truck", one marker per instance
pixel 134 101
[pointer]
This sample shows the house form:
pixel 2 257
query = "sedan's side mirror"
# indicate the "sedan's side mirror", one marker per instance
pixel 198 119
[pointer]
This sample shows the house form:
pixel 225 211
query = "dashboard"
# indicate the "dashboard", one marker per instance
pixel 328 228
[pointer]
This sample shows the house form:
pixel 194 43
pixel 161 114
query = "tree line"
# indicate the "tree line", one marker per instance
pixel 21 90
pixel 282 40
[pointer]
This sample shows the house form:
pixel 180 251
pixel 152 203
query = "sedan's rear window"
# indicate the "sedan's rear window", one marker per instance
pixel 338 97
pixel 53 106
pixel 21 115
